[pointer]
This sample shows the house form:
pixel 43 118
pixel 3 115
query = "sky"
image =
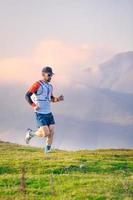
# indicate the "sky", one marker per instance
pixel 25 24
pixel 71 36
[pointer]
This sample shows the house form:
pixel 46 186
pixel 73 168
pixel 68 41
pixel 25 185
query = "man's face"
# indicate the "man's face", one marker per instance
pixel 47 76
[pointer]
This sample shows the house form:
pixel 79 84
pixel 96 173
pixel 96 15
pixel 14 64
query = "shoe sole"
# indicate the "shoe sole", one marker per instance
pixel 26 139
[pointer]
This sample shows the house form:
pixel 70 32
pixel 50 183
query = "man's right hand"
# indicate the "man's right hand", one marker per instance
pixel 36 107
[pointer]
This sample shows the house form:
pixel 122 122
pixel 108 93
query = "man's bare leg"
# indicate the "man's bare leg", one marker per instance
pixel 49 139
pixel 43 131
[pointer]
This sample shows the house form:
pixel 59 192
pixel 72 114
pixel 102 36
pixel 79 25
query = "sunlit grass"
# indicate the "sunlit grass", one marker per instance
pixel 62 175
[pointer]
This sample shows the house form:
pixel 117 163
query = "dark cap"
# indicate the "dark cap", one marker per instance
pixel 47 69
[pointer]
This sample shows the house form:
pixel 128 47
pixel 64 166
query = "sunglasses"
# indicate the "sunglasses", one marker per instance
pixel 50 75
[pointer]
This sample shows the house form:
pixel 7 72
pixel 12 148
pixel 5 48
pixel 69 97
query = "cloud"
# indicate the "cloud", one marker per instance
pixel 68 61
pixel 15 69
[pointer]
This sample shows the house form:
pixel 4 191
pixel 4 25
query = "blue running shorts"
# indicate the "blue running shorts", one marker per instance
pixel 44 119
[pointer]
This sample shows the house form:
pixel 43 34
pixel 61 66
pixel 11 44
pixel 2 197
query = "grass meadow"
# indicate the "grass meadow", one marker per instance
pixel 27 173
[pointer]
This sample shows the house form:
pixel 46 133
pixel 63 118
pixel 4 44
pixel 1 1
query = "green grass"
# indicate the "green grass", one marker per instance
pixel 61 175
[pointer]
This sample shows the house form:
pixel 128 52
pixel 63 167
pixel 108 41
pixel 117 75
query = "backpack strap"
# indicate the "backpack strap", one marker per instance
pixel 41 82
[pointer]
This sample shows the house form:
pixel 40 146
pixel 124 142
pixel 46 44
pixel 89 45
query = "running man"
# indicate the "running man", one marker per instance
pixel 39 96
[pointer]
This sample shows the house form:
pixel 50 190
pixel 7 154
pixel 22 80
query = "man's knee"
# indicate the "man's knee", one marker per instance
pixel 45 131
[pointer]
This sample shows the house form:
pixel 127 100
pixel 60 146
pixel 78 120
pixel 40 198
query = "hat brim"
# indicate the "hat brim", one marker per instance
pixel 48 72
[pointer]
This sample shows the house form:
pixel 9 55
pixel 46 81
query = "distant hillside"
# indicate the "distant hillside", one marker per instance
pixel 27 173
pixel 119 72
pixel 116 73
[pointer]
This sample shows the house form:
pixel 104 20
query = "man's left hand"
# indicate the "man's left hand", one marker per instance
pixel 61 98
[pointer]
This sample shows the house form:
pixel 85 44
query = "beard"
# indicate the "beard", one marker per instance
pixel 49 79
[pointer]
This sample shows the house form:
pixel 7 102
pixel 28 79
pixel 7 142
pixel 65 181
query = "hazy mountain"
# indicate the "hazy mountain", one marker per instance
pixel 116 73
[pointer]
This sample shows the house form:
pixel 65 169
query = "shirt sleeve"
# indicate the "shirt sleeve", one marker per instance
pixel 34 87
pixel 31 90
